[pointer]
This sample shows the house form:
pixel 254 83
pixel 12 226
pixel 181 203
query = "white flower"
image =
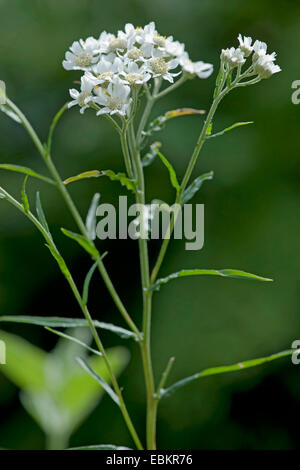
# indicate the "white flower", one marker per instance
pixel 104 41
pixel 260 49
pixel 201 69
pixel 159 67
pixel 114 99
pixel 265 67
pixel 174 48
pixel 233 57
pixel 85 96
pixel 106 71
pixel 82 54
pixel 245 44
pixel 132 74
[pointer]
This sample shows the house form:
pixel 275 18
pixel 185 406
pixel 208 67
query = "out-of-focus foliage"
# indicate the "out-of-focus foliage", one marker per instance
pixel 55 390
pixel 251 217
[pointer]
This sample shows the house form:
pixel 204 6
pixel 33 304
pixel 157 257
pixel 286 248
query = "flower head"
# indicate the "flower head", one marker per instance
pixel 84 97
pixel 233 57
pixel 113 100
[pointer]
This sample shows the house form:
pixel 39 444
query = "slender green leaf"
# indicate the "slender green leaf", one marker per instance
pixel 90 222
pixel 60 261
pixel 2 92
pixel 26 171
pixel 237 124
pixel 75 340
pixel 99 379
pixel 122 178
pixel 40 212
pixel 173 177
pixel 191 190
pixel 234 273
pixel 61 322
pixel 100 447
pixel 25 201
pixel 87 280
pixel 82 176
pixel 223 369
pixel 82 241
pixel 53 126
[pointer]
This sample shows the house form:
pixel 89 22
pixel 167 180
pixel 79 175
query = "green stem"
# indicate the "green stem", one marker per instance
pixel 74 211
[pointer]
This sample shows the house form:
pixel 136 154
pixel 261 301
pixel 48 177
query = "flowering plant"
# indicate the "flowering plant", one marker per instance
pixel 123 76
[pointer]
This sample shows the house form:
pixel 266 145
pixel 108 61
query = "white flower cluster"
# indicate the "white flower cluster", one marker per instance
pixel 263 63
pixel 114 64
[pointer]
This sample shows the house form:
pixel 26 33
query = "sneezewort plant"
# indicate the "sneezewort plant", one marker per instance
pixel 123 76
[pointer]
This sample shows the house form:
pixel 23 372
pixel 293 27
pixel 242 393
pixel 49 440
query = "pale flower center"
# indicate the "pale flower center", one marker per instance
pixel 114 103
pixel 117 44
pixel 105 75
pixel 159 65
pixel 135 53
pixel 85 59
pixel 159 40
pixel 134 77
pixel 81 98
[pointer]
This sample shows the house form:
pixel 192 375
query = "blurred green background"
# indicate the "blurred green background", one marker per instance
pixel 252 223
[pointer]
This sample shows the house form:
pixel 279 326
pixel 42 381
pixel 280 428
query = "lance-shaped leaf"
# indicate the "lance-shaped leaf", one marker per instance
pixel 60 261
pixel 82 241
pixel 90 222
pixel 82 176
pixel 194 187
pixel 61 322
pixel 183 112
pixel 25 202
pixel 87 280
pixel 2 92
pixel 40 212
pixel 26 171
pixel 237 124
pixel 100 447
pixel 74 340
pixel 122 178
pixel 151 155
pixel 233 273
pixel 172 173
pixel 99 379
pixel 224 369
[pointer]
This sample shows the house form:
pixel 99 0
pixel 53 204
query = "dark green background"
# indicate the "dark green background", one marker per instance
pixel 252 222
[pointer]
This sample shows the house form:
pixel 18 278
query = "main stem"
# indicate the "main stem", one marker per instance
pixel 145 344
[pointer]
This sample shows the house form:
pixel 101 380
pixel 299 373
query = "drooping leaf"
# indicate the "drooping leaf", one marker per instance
pixel 60 261
pixel 233 273
pixel 82 241
pixel 25 201
pixel 40 212
pixel 87 280
pixel 90 222
pixel 173 177
pixel 26 171
pixel 100 447
pixel 75 340
pixel 122 178
pixel 183 112
pixel 25 362
pixel 223 369
pixel 151 155
pixel 194 187
pixel 99 379
pixel 82 176
pixel 237 124
pixel 61 322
